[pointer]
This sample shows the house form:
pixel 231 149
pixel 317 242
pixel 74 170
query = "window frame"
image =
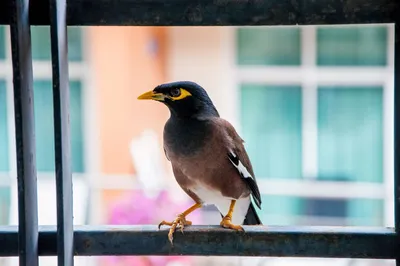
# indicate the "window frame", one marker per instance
pixel 314 242
pixel 78 70
pixel 310 76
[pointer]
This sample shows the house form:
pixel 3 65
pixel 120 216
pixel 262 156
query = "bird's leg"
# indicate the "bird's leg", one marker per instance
pixel 180 221
pixel 227 220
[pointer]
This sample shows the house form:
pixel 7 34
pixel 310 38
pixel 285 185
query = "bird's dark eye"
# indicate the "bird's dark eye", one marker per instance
pixel 175 92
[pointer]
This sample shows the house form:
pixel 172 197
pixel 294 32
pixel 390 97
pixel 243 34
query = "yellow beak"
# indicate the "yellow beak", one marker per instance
pixel 150 95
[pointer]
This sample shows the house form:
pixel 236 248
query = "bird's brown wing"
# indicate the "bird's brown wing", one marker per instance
pixel 239 158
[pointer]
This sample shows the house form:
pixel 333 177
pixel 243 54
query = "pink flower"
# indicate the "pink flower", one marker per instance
pixel 135 209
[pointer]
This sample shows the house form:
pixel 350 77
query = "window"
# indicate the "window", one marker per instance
pixel 2 43
pixel 41 48
pixel 350 133
pixel 314 121
pixel 4 164
pixel 4 140
pixel 43 111
pixel 4 160
pixel 275 144
pixel 44 126
pixel 268 46
pixel 352 46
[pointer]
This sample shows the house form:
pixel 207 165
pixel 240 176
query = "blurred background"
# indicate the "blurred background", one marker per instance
pixel 314 105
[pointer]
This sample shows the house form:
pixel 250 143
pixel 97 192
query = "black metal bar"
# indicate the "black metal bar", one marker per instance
pixel 59 51
pixel 330 242
pixel 25 134
pixel 214 12
pixel 397 135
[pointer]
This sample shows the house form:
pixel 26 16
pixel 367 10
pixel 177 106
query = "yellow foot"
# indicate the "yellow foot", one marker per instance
pixel 227 223
pixel 180 222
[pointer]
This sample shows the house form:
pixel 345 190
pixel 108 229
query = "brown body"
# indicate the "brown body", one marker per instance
pixel 209 167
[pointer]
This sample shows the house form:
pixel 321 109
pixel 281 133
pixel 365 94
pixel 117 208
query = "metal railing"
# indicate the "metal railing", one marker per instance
pixel 29 240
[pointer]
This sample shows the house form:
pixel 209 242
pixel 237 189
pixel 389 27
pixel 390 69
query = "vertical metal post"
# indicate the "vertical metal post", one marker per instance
pixel 397 137
pixel 59 53
pixel 25 134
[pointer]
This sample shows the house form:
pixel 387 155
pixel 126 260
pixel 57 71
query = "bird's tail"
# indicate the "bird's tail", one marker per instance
pixel 252 217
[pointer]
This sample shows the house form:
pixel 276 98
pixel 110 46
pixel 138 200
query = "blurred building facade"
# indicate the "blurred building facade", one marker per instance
pixel 314 105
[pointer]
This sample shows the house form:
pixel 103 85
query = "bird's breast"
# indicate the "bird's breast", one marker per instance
pixel 185 137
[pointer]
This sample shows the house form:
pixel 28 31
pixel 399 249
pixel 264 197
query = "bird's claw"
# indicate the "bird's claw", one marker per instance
pixel 227 223
pixel 179 222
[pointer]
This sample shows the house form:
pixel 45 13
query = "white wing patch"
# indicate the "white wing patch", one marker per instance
pixel 250 180
pixel 239 166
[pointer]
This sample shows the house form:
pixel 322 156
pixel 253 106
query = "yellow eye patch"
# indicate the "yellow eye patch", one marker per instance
pixel 184 94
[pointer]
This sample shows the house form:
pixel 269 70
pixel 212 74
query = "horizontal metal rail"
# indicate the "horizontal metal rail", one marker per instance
pixel 213 12
pixel 276 241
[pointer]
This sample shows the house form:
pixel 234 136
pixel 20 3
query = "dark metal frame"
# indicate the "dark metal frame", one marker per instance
pixel 28 240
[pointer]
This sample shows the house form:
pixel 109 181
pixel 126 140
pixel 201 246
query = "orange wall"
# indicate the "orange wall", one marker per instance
pixel 124 68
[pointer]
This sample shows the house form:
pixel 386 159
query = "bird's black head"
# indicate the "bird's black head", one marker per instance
pixel 184 99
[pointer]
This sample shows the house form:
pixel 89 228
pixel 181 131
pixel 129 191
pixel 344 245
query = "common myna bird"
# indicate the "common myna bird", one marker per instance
pixel 207 155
